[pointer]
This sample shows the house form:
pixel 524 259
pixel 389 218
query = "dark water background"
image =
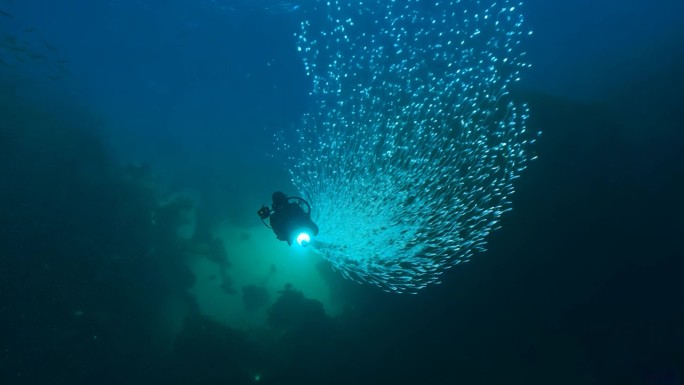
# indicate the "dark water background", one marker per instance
pixel 119 101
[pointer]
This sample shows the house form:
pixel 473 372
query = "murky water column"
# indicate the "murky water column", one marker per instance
pixel 409 153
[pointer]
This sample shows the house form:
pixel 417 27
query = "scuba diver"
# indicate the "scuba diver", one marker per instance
pixel 290 219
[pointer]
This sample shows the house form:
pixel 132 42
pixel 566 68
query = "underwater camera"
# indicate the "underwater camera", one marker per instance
pixel 264 212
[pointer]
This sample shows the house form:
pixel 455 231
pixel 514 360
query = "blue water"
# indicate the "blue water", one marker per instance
pixel 133 133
